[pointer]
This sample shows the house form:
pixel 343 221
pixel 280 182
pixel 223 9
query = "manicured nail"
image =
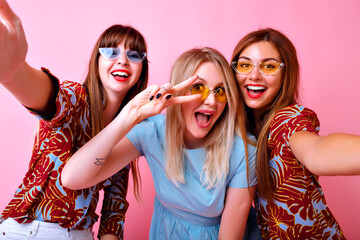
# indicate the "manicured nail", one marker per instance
pixel 151 98
pixel 158 95
pixel 168 97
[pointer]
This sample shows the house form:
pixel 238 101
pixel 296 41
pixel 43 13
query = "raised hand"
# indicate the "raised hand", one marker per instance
pixel 13 45
pixel 156 98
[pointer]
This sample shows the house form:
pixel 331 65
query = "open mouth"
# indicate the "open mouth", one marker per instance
pixel 203 119
pixel 121 75
pixel 255 91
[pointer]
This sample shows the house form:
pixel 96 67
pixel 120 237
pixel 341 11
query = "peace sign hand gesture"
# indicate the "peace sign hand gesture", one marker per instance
pixel 154 99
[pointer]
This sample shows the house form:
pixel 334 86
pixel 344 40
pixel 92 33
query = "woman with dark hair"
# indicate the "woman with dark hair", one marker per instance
pixel 70 114
pixel 291 155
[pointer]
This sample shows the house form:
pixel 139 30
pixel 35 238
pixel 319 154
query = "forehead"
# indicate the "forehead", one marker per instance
pixel 260 50
pixel 210 73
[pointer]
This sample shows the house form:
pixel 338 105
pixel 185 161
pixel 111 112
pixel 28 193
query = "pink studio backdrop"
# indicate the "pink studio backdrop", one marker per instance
pixel 326 33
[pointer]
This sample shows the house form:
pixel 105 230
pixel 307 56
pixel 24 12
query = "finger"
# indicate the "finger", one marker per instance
pixel 153 91
pixel 6 13
pixel 163 90
pixel 166 86
pixel 183 99
pixel 162 103
pixel 184 84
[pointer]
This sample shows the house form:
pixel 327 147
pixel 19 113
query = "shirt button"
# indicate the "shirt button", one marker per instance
pixel 4 233
pixel 30 232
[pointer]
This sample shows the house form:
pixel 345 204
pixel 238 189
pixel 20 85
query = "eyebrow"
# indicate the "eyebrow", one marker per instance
pixel 202 79
pixel 205 82
pixel 265 59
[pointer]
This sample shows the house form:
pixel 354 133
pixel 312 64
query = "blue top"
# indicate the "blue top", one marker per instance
pixel 189 210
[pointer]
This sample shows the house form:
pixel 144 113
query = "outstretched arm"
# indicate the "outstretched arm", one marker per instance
pixel 109 151
pixel 30 86
pixel 334 154
pixel 236 210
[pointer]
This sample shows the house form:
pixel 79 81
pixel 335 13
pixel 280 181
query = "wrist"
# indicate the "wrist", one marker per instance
pixel 133 112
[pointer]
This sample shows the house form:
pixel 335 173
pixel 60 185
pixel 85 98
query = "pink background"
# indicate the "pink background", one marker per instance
pixel 326 34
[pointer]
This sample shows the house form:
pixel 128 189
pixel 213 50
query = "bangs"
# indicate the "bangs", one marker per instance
pixel 118 33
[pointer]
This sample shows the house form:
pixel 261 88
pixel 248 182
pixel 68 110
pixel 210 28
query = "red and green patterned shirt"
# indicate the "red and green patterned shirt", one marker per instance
pixel 42 197
pixel 299 209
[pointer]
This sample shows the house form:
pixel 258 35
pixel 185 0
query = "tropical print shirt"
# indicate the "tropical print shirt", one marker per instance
pixel 41 195
pixel 299 209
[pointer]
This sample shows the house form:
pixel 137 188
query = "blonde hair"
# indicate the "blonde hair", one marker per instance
pixel 219 140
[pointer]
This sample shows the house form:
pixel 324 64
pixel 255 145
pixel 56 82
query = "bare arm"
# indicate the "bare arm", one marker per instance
pixel 334 154
pixel 109 151
pixel 30 86
pixel 109 237
pixel 237 206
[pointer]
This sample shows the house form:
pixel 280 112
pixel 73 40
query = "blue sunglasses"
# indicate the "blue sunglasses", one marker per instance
pixel 112 53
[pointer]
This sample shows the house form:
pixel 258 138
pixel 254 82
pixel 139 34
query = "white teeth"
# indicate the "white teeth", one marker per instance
pixel 120 74
pixel 256 88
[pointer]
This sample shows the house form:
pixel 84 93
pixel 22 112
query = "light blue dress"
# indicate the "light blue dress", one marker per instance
pixel 189 210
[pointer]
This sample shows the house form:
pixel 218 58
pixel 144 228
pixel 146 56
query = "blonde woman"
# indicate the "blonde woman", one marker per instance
pixel 199 166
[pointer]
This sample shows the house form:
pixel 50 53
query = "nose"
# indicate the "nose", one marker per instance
pixel 123 59
pixel 255 74
pixel 210 99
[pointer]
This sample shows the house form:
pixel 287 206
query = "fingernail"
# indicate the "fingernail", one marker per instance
pixel 168 97
pixel 151 98
pixel 158 95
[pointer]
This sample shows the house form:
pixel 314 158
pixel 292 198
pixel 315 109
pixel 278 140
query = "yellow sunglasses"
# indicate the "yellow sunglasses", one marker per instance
pixel 204 91
pixel 268 67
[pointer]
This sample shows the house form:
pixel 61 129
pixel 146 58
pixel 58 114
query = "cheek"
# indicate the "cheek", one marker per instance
pixel 240 80
pixel 221 108
pixel 103 66
pixel 188 109
pixel 138 69
pixel 185 110
pixel 276 85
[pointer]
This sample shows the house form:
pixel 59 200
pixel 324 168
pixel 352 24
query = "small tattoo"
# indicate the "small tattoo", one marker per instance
pixel 100 161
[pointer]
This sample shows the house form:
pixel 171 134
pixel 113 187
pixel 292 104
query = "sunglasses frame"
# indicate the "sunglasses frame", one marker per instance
pixel 234 63
pixel 102 53
pixel 203 97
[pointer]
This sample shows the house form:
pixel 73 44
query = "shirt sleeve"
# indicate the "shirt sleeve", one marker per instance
pixel 241 177
pixel 69 97
pixel 115 205
pixel 293 119
pixel 145 134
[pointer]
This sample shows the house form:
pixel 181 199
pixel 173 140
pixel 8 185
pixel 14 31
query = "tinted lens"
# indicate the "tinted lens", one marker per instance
pixel 201 89
pixel 135 56
pixel 110 53
pixel 269 67
pixel 244 66
pixel 220 95
pixel 204 91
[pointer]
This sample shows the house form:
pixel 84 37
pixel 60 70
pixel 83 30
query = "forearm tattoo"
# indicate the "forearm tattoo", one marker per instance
pixel 100 161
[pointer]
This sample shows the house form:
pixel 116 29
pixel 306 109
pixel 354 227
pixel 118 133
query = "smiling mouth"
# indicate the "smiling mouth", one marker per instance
pixel 203 119
pixel 255 91
pixel 120 75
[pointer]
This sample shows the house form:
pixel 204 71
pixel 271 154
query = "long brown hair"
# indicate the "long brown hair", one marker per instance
pixel 111 37
pixel 288 94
